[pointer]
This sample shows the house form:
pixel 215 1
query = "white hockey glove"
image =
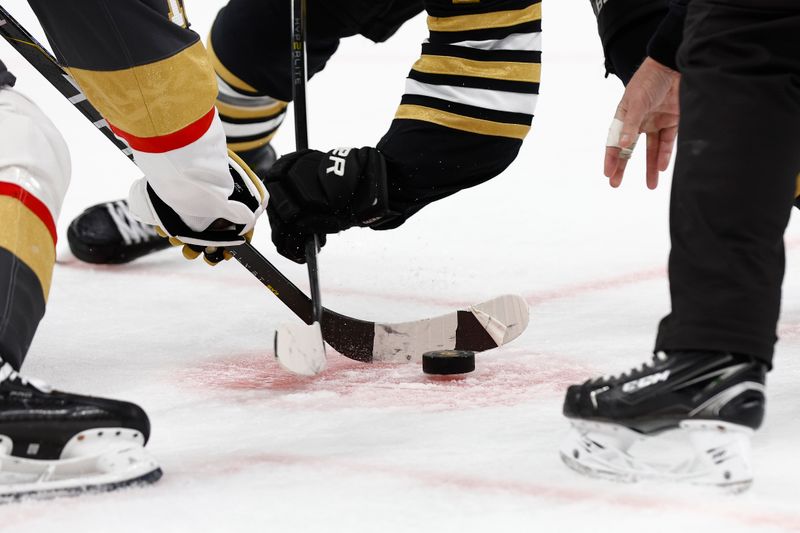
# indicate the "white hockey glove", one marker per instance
pixel 205 203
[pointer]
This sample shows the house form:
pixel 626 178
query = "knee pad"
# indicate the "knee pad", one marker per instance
pixel 33 154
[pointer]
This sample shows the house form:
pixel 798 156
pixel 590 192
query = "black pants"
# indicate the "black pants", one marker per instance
pixel 735 175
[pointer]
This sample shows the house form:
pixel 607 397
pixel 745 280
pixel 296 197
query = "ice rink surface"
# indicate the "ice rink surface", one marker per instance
pixel 371 448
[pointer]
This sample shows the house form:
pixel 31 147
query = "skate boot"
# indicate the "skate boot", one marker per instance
pixel 107 233
pixel 53 443
pixel 686 416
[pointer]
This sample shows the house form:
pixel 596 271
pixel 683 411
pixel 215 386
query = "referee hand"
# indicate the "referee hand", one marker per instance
pixel 650 106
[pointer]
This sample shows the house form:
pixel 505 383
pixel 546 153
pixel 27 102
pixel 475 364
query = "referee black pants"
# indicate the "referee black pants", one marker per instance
pixel 735 177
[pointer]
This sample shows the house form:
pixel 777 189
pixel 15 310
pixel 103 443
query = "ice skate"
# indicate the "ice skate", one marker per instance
pixel 107 234
pixel 686 417
pixel 54 443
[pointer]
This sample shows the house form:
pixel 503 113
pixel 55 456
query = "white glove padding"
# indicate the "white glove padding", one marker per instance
pixel 204 206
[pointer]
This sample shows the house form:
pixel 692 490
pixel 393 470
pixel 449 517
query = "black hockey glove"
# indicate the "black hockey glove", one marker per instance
pixel 311 192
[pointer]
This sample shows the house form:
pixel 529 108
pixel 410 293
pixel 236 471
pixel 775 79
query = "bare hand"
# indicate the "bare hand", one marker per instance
pixel 649 105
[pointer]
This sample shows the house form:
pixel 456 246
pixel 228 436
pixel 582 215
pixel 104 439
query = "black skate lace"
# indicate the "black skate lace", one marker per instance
pixel 659 357
pixel 131 230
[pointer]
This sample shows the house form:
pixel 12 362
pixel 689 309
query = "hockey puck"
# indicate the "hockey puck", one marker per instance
pixel 448 362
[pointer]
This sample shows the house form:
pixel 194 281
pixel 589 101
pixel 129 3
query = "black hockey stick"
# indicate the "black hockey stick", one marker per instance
pixel 357 339
pixel 301 349
pixel 299 101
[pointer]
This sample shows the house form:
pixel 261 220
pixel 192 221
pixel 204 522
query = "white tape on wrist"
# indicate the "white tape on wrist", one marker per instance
pixel 614 133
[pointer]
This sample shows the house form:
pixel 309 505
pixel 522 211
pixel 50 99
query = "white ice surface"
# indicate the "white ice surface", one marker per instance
pixel 246 447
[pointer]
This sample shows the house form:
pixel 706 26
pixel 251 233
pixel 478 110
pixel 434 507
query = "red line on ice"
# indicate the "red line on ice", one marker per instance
pixel 533 298
pixel 735 512
pixel 508 378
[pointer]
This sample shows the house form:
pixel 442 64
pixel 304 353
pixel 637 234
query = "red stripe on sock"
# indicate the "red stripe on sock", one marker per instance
pixel 36 206
pixel 172 141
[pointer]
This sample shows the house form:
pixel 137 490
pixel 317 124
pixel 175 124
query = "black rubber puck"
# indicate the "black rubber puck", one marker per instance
pixel 448 362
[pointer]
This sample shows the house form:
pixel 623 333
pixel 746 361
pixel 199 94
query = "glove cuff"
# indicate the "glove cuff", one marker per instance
pixel 371 199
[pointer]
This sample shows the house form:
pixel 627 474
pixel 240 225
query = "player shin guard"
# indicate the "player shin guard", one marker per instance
pixel 34 175
pixel 630 427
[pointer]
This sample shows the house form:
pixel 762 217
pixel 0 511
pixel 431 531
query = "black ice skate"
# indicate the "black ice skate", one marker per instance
pixel 107 233
pixel 54 443
pixel 715 399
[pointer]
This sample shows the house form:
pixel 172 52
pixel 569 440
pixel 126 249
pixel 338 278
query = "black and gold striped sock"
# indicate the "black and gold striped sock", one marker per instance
pixel 250 118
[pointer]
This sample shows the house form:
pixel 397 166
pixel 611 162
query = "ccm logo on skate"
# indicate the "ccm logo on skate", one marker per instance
pixel 641 383
pixel 338 158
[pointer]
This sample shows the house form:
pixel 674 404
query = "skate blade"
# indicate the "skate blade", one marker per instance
pixel 300 349
pixel 717 454
pixel 31 479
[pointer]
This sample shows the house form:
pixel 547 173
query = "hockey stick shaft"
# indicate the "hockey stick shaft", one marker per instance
pixel 299 69
pixel 299 74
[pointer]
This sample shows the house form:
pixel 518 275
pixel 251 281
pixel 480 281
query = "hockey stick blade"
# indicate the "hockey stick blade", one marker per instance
pixel 478 328
pixel 299 349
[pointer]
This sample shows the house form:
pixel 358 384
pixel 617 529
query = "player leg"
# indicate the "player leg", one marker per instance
pixel 249 48
pixel 733 188
pixel 59 442
pixel 254 93
pixel 249 45
pixel 152 80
